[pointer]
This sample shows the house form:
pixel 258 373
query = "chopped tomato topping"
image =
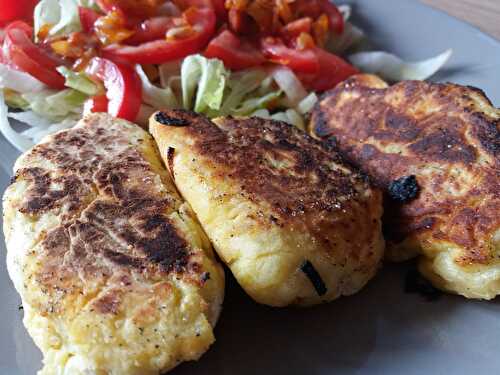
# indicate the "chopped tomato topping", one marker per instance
pixel 200 20
pixel 111 28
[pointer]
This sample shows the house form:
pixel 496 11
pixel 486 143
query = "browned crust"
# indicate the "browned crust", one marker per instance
pixel 443 125
pixel 114 216
pixel 274 162
pixel 292 180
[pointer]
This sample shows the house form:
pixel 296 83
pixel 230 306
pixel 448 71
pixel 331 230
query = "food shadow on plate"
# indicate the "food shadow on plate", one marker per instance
pixel 338 337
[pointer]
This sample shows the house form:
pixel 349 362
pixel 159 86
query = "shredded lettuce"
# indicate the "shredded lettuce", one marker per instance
pixel 21 142
pixel 68 101
pixel 295 118
pixel 280 116
pixel 47 12
pixel 392 68
pixel 38 127
pixel 79 81
pixel 56 105
pixel 290 116
pixel 155 96
pixel 190 76
pixel 37 133
pixel 204 80
pixel 307 104
pixel 241 84
pixel 262 113
pixel 70 19
pixel 209 88
pixel 19 81
pixel 14 99
pixel 31 118
pixel 61 15
pixel 253 104
pixel 288 82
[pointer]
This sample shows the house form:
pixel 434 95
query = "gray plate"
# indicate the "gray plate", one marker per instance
pixel 381 330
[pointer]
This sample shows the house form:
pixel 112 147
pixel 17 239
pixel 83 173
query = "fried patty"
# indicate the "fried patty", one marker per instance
pixel 434 149
pixel 293 222
pixel 115 274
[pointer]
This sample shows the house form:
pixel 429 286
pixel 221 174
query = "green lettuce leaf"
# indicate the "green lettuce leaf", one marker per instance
pixel 56 105
pixel 203 80
pixel 241 84
pixel 61 15
pixel 79 81
pixel 14 99
pixel 154 96
pixel 253 104
pixel 22 143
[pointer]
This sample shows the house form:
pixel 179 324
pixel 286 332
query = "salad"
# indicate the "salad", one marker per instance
pixel 269 58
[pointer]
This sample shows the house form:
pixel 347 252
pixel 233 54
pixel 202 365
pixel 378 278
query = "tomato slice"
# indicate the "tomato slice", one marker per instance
pixel 235 53
pixel 303 61
pixel 151 29
pixel 123 87
pixel 332 71
pixel 16 10
pixel 96 104
pixel 30 58
pixel 202 21
pixel 87 18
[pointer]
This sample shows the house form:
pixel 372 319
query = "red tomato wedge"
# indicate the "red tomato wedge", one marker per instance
pixel 87 18
pixel 96 104
pixel 235 53
pixel 303 61
pixel 123 87
pixel 11 10
pixel 332 71
pixel 26 56
pixel 202 22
